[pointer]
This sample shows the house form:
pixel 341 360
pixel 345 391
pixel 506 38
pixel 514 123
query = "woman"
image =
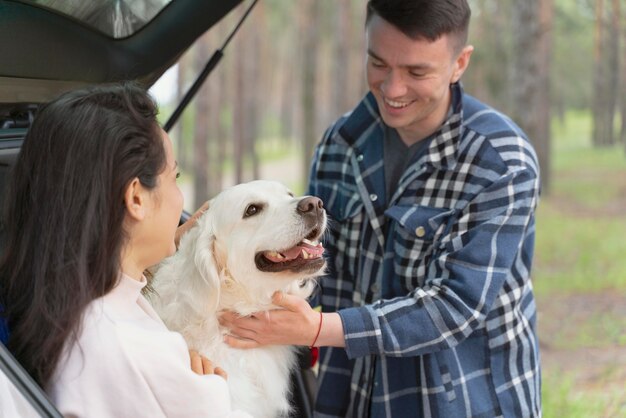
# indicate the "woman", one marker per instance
pixel 94 202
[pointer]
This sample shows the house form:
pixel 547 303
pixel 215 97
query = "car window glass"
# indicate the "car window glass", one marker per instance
pixel 115 18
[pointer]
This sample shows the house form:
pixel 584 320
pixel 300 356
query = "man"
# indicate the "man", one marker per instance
pixel 428 304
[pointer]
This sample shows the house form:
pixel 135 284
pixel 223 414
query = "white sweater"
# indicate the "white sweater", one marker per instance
pixel 127 364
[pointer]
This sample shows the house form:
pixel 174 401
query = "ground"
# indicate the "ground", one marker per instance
pixel 597 365
pixel 582 328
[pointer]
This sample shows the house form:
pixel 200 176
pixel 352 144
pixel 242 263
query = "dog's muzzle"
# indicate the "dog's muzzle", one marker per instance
pixel 307 255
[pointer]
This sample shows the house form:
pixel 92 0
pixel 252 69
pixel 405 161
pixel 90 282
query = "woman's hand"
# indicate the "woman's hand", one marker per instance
pixel 295 324
pixel 202 365
pixel 191 222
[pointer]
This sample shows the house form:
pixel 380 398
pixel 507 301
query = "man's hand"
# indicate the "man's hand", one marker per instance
pixel 295 324
pixel 202 365
pixel 191 222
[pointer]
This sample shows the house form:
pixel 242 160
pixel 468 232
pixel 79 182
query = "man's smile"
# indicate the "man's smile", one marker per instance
pixel 397 104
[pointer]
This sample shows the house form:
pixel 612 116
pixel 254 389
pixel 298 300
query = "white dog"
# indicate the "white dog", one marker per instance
pixel 254 239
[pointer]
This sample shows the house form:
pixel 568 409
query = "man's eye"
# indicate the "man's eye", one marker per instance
pixel 252 210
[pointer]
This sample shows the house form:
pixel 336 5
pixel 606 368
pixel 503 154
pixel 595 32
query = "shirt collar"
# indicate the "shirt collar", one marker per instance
pixel 127 290
pixel 365 120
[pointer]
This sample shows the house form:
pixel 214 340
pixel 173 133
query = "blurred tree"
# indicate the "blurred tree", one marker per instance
pixel 181 88
pixel 623 80
pixel 488 74
pixel 238 121
pixel 601 87
pixel 357 81
pixel 340 99
pixel 308 19
pixel 218 137
pixel 543 139
pixel 202 107
pixel 254 69
pixel 613 72
pixel 530 90
pixel 573 39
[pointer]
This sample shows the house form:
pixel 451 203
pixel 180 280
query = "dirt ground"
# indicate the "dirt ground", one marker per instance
pixel 597 366
pixel 583 336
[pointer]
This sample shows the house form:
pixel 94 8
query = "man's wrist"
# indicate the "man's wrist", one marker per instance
pixel 331 331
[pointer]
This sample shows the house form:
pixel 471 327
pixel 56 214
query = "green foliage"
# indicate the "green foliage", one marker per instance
pixel 561 400
pixel 593 329
pixel 571 76
pixel 580 225
pixel 572 38
pixel 575 254
pixel 579 252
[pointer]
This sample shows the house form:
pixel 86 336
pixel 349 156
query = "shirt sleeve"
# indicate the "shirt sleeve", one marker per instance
pixel 470 272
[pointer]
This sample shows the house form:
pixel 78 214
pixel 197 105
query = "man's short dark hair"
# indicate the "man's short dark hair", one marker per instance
pixel 424 19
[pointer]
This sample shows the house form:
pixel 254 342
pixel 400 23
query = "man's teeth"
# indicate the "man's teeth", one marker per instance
pixel 395 104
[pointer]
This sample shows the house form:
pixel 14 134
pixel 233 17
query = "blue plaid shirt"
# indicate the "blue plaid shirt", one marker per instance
pixel 432 283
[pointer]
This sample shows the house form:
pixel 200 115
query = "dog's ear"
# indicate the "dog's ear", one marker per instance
pixel 207 284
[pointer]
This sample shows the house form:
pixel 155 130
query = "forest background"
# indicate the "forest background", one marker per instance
pixel 557 67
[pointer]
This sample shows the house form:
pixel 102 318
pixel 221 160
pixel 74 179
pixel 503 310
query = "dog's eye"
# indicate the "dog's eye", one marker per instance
pixel 252 210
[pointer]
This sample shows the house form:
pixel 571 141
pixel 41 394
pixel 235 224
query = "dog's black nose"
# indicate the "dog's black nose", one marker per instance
pixel 310 204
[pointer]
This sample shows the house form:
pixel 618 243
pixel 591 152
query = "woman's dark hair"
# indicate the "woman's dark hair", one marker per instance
pixel 65 211
pixel 427 19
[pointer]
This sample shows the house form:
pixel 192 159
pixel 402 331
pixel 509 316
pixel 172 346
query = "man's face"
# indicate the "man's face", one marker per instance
pixel 411 78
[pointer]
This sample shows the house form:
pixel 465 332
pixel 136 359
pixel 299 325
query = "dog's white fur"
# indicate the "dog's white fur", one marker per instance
pixel 214 270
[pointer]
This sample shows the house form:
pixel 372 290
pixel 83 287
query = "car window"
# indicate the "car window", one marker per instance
pixel 115 18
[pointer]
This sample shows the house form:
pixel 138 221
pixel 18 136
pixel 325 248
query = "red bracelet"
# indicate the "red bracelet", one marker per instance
pixel 318 330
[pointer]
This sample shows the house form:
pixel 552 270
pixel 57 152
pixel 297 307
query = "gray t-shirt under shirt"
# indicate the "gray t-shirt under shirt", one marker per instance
pixel 397 156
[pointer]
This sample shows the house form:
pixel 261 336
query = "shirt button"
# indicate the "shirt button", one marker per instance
pixel 420 231
pixel 359 157
pixel 373 197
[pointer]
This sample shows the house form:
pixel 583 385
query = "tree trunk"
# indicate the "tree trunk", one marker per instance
pixel 542 140
pixel 530 68
pixel 599 134
pixel 486 77
pixel 309 17
pixel 182 145
pixel 358 85
pixel 341 47
pixel 201 132
pixel 613 73
pixel 217 146
pixel 287 100
pixel 623 81
pixel 238 109
pixel 253 84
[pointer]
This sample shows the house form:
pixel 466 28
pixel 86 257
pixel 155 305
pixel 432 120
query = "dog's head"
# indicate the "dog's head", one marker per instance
pixel 261 237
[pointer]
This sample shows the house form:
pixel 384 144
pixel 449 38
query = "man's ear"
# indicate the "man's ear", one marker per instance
pixel 461 63
pixel 135 200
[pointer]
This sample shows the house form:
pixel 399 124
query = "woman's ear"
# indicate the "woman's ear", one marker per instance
pixel 135 200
